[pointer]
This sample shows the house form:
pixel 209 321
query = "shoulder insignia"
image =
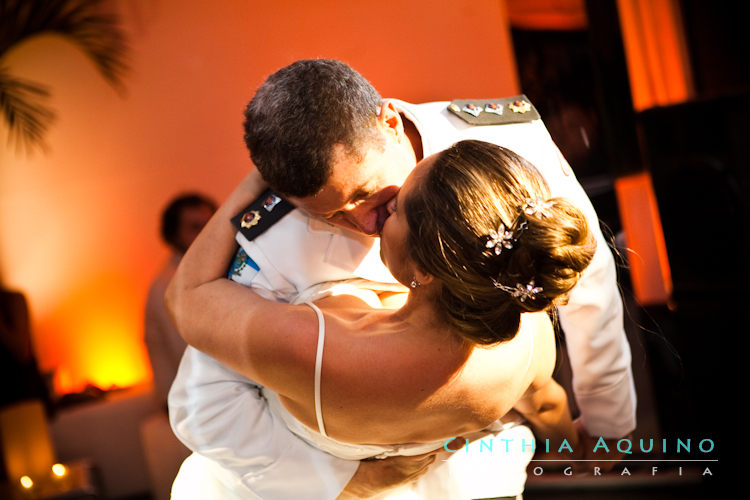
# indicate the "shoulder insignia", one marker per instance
pixel 516 109
pixel 261 214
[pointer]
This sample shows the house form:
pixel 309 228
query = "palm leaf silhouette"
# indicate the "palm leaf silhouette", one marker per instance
pixel 83 22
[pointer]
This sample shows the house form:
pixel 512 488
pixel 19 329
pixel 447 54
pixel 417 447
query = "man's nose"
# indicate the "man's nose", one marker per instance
pixel 364 218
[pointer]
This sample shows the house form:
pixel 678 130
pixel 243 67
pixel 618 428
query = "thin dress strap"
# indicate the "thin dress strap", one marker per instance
pixel 319 366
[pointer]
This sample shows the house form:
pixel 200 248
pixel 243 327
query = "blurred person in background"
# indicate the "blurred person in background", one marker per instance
pixel 181 221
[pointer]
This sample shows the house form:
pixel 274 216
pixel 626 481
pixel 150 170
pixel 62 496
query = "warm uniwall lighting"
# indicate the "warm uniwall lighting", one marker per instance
pixel 26 482
pixel 59 470
pixel 656 50
pixel 99 339
pixel 647 251
pixel 547 14
pixel 110 355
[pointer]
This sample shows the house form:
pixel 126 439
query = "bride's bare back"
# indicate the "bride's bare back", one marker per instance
pixel 386 380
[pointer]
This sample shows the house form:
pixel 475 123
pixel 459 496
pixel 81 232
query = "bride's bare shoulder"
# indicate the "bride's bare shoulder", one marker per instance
pixel 540 327
pixel 360 296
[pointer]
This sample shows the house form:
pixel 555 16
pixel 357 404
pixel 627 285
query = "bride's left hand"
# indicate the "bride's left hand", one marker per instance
pixel 374 477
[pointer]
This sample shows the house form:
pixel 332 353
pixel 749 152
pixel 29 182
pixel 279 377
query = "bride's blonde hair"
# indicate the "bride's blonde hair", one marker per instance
pixel 471 194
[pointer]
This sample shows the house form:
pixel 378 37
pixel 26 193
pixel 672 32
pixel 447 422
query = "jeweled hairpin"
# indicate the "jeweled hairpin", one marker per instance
pixel 521 292
pixel 536 206
pixel 505 238
pixel 502 238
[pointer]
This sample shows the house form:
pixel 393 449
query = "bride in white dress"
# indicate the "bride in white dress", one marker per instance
pixel 485 255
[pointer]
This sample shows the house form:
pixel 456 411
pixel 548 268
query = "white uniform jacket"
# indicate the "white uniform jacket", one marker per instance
pixel 219 413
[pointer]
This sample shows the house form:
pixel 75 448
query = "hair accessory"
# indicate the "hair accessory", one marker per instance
pixel 536 206
pixel 500 238
pixel 521 292
pixel 505 238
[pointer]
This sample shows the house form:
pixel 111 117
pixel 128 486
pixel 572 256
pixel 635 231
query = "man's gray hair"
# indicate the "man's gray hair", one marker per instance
pixel 299 114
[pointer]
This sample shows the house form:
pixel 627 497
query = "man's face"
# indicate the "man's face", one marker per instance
pixel 356 195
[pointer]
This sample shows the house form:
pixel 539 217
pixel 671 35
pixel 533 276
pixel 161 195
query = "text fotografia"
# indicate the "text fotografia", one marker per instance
pixel 622 448
pixel 625 446
pixel 623 471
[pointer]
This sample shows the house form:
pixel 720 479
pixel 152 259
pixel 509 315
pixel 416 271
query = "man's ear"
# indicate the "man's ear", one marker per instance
pixel 389 118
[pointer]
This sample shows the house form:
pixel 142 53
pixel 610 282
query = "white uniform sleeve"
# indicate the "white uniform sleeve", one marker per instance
pixel 599 352
pixel 220 414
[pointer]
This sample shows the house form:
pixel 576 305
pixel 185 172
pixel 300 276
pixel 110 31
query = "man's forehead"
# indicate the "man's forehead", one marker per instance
pixel 336 194
pixel 350 175
pixel 348 167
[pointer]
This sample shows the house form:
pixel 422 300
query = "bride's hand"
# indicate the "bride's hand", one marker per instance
pixel 377 476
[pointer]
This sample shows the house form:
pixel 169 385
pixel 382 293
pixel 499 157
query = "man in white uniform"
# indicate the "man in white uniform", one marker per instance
pixel 364 149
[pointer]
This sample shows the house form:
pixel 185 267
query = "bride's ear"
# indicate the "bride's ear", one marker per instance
pixel 422 277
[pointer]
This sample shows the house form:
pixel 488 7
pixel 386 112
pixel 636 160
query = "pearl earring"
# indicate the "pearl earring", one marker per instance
pixel 414 283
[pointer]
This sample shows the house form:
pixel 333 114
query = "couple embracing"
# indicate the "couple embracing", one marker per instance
pixel 328 375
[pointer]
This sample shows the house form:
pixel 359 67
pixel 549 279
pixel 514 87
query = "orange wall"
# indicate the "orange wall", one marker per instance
pixel 78 225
